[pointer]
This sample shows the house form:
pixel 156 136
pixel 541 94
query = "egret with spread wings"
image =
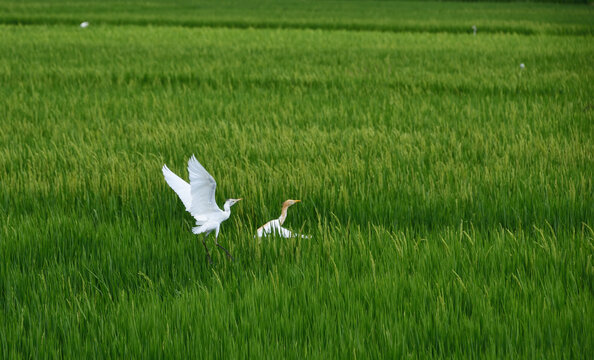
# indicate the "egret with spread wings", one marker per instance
pixel 274 227
pixel 199 199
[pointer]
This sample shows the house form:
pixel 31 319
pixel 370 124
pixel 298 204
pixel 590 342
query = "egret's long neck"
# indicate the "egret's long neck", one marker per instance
pixel 283 216
pixel 227 207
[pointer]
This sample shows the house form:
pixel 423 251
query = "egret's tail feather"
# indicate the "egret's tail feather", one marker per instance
pixel 198 230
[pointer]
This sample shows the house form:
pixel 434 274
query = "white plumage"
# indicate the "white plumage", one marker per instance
pixel 274 227
pixel 199 199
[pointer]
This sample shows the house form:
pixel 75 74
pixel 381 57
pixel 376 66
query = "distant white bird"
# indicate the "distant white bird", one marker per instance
pixel 199 199
pixel 84 24
pixel 274 227
pixel 473 29
pixel 522 65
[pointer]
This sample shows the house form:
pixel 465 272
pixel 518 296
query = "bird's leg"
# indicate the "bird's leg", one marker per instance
pixel 206 248
pixel 217 243
pixel 228 254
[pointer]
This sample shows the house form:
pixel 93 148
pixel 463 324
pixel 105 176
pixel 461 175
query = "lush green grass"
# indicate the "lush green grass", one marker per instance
pixel 448 192
pixel 414 16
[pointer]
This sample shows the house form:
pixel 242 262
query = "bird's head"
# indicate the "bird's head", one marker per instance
pixel 290 202
pixel 231 202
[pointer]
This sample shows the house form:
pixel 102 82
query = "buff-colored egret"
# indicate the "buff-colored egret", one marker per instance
pixel 274 227
pixel 199 199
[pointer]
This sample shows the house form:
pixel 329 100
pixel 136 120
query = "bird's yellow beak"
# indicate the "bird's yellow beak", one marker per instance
pixel 239 199
pixel 297 200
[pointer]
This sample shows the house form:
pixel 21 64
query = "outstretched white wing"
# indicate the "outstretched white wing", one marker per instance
pixel 203 187
pixel 181 187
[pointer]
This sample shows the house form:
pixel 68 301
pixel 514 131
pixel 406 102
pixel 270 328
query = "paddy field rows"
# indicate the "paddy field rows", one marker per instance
pixel 448 191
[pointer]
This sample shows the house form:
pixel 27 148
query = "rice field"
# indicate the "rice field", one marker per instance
pixel 448 190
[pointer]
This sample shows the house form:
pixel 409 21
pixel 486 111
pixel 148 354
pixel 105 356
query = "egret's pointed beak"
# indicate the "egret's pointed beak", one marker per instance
pixel 297 201
pixel 238 199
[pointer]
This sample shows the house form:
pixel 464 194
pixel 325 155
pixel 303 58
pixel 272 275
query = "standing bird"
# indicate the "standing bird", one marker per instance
pixel 199 199
pixel 274 226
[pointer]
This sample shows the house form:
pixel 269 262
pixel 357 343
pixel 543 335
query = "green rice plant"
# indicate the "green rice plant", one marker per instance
pixel 448 192
pixel 409 16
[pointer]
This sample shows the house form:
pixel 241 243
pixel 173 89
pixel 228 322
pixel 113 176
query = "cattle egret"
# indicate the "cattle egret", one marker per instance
pixel 473 29
pixel 199 199
pixel 84 24
pixel 274 226
pixel 522 66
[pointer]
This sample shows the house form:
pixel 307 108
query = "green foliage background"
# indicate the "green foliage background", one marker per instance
pixel 448 191
pixel 409 16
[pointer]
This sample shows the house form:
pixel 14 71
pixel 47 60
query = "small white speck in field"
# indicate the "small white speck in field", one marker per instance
pixel 522 66
pixel 473 29
pixel 84 24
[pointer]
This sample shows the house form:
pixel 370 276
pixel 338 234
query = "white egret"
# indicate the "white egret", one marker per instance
pixel 199 199
pixel 84 24
pixel 474 29
pixel 275 226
